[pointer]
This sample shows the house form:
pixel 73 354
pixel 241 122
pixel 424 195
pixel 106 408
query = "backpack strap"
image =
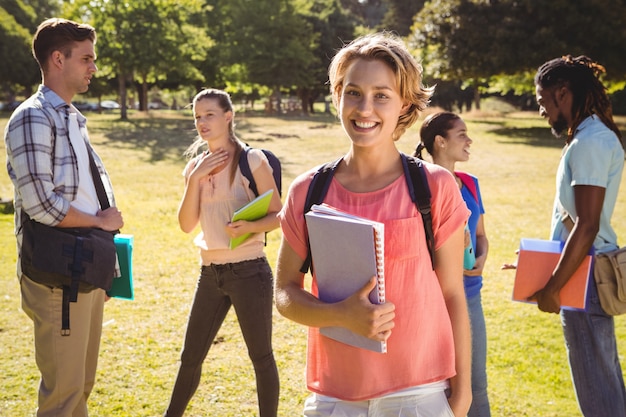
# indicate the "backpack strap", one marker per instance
pixel 420 195
pixel 244 166
pixel 315 195
pixel 418 191
pixel 468 181
pixel 273 161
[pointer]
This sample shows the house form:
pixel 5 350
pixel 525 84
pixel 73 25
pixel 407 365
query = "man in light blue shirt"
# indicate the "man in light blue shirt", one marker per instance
pixel 573 99
pixel 594 157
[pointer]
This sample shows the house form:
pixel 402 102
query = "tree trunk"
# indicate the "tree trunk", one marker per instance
pixel 143 98
pixel 121 82
pixel 476 98
pixel 278 97
pixel 305 100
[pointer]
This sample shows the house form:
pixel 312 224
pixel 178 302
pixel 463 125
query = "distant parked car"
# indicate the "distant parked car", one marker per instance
pixel 109 105
pixel 156 105
pixel 85 106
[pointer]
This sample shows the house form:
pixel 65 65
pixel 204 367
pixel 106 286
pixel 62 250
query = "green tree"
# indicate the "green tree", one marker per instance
pixel 596 28
pixel 273 42
pixel 266 43
pixel 335 26
pixel 399 15
pixel 19 69
pixel 369 12
pixel 452 41
pixel 499 42
pixel 43 9
pixel 23 14
pixel 280 46
pixel 145 41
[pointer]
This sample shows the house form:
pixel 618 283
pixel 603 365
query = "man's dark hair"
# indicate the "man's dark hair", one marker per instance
pixel 581 75
pixel 59 35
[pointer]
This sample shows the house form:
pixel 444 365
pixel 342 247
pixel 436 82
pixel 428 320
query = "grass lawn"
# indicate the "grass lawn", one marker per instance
pixel 514 156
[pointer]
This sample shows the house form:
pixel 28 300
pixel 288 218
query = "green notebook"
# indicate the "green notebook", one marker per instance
pixel 123 286
pixel 254 210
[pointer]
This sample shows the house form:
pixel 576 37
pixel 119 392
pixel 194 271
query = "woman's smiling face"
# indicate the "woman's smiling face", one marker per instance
pixel 370 102
pixel 457 143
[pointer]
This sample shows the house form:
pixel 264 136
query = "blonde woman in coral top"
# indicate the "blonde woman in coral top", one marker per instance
pixel 377 89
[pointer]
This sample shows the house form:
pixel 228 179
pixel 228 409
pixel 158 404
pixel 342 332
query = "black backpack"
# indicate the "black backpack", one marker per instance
pixel 244 166
pixel 415 181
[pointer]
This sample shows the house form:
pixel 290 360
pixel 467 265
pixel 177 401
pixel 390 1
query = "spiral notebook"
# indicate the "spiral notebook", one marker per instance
pixel 346 252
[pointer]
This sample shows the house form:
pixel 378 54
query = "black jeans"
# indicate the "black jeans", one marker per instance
pixel 248 286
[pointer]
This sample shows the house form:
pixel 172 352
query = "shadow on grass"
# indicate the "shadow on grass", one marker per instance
pixel 520 128
pixel 167 136
pixel 533 136
pixel 322 117
pixel 161 137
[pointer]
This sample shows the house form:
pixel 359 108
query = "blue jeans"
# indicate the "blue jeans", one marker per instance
pixel 593 360
pixel 248 286
pixel 480 399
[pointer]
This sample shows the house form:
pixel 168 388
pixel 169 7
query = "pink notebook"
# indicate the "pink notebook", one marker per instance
pixel 535 263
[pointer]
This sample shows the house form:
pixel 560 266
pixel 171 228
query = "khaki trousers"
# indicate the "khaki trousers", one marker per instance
pixel 67 363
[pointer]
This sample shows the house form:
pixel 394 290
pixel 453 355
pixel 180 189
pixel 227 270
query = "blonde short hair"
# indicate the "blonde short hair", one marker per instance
pixel 391 50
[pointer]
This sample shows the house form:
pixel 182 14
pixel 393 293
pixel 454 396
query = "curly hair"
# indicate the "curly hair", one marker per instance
pixel 391 50
pixel 581 75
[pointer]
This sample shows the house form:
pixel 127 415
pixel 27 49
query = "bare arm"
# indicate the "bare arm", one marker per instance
pixel 109 219
pixel 449 269
pixel 589 200
pixel 356 313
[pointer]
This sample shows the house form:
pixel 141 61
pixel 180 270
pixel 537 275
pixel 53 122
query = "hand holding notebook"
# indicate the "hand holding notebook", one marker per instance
pixel 347 251
pixel 254 210
pixel 536 261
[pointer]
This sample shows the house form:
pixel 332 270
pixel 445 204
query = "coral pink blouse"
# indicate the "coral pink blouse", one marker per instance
pixel 421 347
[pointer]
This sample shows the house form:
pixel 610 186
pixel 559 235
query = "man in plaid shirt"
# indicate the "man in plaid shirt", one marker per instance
pixel 47 160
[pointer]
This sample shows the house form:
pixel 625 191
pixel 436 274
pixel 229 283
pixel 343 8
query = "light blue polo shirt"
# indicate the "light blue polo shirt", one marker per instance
pixel 594 157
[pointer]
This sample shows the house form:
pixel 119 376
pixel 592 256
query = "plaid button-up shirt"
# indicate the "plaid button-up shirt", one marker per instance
pixel 41 161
